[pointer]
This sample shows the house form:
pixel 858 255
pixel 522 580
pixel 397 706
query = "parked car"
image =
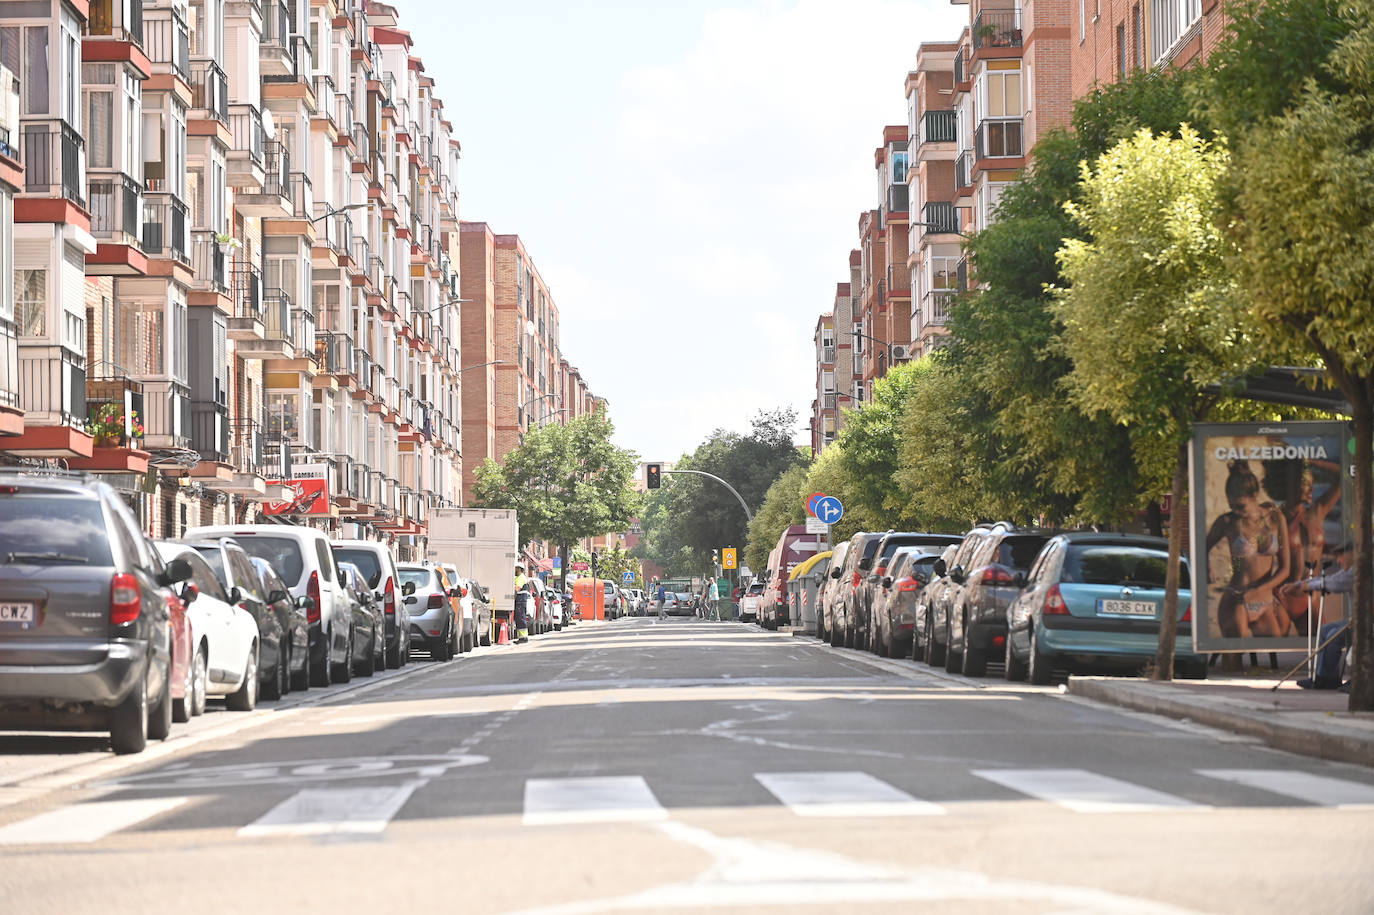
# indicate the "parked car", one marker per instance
pixel 945 595
pixel 367 638
pixel 872 569
pixel 679 603
pixel 435 617
pixel 978 625
pixel 1096 599
pixel 295 623
pixel 829 586
pixel 749 602
pixel 863 546
pixel 469 633
pixel 894 604
pixel 378 566
pixel 243 586
pixel 85 624
pixel 612 599
pixel 303 560
pixel 921 615
pixel 481 612
pixel 223 629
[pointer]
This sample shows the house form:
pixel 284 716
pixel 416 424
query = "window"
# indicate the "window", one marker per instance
pixel 1137 42
pixel 858 341
pixel 1169 21
pixel 99 127
pixel 1082 20
pixel 1121 49
pixel 31 302
pixel 1002 95
pixel 24 50
pixel 7 273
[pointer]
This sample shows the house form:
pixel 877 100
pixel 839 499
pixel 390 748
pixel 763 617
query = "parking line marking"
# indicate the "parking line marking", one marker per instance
pixel 593 799
pixel 1321 790
pixel 79 823
pixel 320 811
pixel 842 794
pixel 1086 792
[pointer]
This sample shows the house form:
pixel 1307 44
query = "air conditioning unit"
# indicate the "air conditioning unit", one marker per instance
pixel 9 107
pixel 900 352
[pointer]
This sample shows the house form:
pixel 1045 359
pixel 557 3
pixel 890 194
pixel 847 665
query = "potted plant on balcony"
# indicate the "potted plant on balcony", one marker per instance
pixel 110 430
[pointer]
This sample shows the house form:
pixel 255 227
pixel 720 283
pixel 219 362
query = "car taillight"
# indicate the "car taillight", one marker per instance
pixel 389 597
pixel 126 601
pixel 1054 603
pixel 312 591
pixel 882 570
pixel 908 584
pixel 994 575
pixel 1187 615
pixel 435 602
pixel 856 580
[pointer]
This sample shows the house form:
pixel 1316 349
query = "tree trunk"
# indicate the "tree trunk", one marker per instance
pixel 1362 600
pixel 1168 626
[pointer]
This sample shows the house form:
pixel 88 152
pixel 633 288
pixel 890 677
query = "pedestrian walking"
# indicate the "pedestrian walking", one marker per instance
pixel 713 601
pixel 522 604
pixel 659 597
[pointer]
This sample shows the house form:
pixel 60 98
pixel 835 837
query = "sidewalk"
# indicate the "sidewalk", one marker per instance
pixel 1310 722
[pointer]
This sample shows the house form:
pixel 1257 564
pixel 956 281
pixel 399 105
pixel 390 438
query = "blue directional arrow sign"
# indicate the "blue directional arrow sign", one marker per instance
pixel 829 509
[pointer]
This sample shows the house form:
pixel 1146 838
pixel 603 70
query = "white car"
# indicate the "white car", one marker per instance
pixel 751 602
pixel 224 637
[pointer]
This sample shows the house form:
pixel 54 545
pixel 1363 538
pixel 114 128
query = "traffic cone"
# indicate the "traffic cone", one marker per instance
pixel 503 634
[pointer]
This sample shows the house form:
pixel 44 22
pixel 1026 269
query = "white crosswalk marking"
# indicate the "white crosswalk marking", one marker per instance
pixel 85 822
pixel 1086 792
pixel 1321 790
pixel 600 799
pixel 318 811
pixel 842 794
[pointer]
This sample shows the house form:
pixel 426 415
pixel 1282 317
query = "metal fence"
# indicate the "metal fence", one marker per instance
pixel 117 209
pixel 55 160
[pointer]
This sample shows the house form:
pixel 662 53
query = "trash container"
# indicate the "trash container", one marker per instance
pixel 804 587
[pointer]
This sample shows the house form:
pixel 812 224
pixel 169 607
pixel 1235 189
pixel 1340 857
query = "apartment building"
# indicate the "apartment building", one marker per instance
pixel 518 378
pixel 236 251
pixel 11 182
pixel 835 369
pixel 1111 38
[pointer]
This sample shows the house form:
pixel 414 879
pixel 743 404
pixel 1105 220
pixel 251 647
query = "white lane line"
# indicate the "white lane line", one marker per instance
pixel 595 799
pixel 320 811
pixel 842 794
pixel 1321 790
pixel 1086 792
pixel 85 822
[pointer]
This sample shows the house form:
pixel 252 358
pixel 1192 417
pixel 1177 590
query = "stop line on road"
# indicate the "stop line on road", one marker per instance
pixel 631 799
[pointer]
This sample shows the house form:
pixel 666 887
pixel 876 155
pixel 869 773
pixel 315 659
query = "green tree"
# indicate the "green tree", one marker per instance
pixel 1303 207
pixel 784 505
pixel 827 474
pixel 566 482
pixel 1150 312
pixel 868 448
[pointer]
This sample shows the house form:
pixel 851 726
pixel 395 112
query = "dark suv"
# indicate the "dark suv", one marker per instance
pixel 874 569
pixel 977 626
pixel 85 632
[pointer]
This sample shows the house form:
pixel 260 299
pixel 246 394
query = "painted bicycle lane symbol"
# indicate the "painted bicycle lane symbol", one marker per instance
pixel 296 772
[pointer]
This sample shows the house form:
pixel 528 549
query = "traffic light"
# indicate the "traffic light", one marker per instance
pixel 653 475
pixel 715 557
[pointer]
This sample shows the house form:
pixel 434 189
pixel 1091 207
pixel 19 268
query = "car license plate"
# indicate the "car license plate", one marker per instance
pixel 1127 607
pixel 15 615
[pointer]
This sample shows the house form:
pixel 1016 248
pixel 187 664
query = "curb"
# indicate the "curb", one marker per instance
pixel 1321 735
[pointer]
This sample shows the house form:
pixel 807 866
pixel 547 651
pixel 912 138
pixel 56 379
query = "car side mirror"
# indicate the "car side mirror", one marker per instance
pixel 834 573
pixel 887 581
pixel 277 596
pixel 189 592
pixel 305 603
pixel 958 574
pixel 235 594
pixel 408 588
pixel 377 595
pixel 454 592
pixel 938 568
pixel 177 570
pixel 1019 580
pixel 411 599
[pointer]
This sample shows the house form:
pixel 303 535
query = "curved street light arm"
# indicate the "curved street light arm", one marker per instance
pixel 701 473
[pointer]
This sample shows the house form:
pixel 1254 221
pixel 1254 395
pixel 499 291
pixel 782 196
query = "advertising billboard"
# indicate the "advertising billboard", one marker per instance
pixel 307 497
pixel 1269 508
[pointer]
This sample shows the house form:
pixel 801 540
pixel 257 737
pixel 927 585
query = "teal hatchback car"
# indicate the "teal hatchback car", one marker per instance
pixel 1096 599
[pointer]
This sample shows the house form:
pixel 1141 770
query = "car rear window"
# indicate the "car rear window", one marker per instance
pixel 1119 565
pixel 283 554
pixel 52 528
pixel 421 578
pixel 756 589
pixel 1020 552
pixel 214 558
pixel 366 561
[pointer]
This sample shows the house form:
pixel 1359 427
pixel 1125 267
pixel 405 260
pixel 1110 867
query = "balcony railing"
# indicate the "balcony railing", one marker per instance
pixel 940 217
pixel 122 19
pixel 276 24
pixel 248 451
pixel 247 291
pixel 168 420
pixel 998 139
pixel 359 253
pixel 997 29
pixel 339 353
pixel 245 123
pixel 302 196
pixel 898 198
pixel 168 41
pixel 208 262
pixel 164 229
pixel 362 140
pixel 939 126
pixel 961 68
pixel 55 161
pixel 324 95
pixel 210 430
pixel 937 305
pixel 276 315
pixel 53 380
pixel 343 111
pixel 963 170
pixel 210 89
pixel 278 169
pixel 338 232
pixel 117 209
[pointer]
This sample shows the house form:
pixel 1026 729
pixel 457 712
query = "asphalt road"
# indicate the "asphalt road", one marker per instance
pixel 682 766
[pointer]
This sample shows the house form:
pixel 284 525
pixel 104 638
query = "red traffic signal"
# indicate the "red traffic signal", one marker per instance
pixel 653 475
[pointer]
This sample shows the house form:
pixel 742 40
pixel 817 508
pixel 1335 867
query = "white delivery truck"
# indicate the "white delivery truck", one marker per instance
pixel 483 543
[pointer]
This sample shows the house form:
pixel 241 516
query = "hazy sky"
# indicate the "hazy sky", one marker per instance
pixel 687 175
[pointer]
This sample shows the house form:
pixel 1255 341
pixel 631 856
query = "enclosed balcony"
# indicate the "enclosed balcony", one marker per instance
pixel 302 196
pixel 275 342
pixel 997 29
pixel 117 224
pixel 167 423
pixel 54 161
pixel 343 113
pixel 165 229
pixel 119 19
pixel 274 48
pixel 338 354
pixel 167 41
pixel 963 170
pixel 938 126
pixel 940 218
pixel 998 139
pixel 52 393
pixel 210 431
pixel 208 262
pixel 246 323
pixel 274 198
pixel 962 73
pixel 210 90
pixel 248 454
pixel 245 160
pixel 323 85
